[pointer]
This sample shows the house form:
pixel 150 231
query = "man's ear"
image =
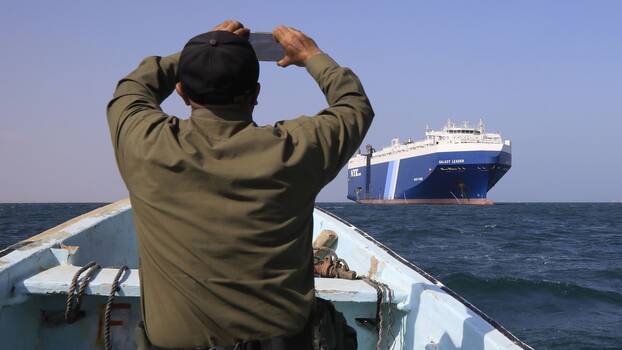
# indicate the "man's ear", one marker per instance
pixel 180 92
pixel 257 89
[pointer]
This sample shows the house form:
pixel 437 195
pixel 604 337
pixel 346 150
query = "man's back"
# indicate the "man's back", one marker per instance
pixel 223 208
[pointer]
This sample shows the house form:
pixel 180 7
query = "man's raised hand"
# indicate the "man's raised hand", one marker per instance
pixel 298 47
pixel 234 27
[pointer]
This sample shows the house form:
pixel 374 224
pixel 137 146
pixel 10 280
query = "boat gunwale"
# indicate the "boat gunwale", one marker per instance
pixel 55 235
pixel 433 280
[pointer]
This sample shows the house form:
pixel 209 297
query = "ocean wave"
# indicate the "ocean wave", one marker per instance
pixel 465 283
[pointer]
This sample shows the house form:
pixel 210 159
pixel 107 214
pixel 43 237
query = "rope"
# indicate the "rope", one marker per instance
pixel 332 266
pixel 72 307
pixel 108 313
pixel 381 290
pixel 320 253
pixel 389 293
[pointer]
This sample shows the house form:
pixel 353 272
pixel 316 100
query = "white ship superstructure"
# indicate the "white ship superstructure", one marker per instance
pixel 457 164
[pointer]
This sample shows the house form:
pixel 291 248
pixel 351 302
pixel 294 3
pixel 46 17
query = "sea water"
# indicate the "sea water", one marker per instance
pixel 551 273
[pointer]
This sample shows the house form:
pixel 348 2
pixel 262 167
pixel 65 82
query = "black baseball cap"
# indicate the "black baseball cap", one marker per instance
pixel 215 67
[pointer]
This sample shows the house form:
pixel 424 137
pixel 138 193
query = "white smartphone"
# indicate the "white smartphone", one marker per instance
pixel 266 47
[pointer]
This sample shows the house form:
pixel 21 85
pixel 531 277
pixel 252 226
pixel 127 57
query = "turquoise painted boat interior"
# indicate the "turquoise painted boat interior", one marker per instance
pixel 35 275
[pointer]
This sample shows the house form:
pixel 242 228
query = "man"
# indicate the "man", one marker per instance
pixel 223 207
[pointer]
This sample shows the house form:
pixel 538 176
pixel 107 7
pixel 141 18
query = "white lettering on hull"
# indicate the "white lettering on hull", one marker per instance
pixel 451 161
pixel 354 173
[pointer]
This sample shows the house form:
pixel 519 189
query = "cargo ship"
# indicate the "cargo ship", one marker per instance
pixel 456 165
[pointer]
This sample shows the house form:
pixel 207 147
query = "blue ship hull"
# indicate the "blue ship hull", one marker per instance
pixel 446 178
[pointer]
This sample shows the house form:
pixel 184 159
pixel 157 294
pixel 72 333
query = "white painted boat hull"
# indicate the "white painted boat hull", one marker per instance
pixel 35 275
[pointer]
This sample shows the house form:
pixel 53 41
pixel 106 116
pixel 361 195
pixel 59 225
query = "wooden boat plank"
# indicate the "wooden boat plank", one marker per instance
pixel 57 280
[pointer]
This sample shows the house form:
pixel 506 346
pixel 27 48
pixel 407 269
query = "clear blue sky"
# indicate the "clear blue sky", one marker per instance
pixel 546 74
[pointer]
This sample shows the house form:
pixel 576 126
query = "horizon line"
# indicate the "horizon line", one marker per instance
pixel 341 202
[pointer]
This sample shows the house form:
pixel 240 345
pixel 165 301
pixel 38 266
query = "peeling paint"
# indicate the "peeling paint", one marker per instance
pixel 20 245
pixel 14 247
pixel 373 267
pixel 60 230
pixel 71 248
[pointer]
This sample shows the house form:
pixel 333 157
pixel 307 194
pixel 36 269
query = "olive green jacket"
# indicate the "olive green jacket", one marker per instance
pixel 223 207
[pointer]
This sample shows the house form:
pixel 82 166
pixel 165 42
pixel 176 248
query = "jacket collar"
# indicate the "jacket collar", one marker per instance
pixel 222 113
pixel 221 120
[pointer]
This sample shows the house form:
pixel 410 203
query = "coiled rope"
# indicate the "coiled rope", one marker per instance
pixel 327 264
pixel 333 267
pixel 72 307
pixel 108 313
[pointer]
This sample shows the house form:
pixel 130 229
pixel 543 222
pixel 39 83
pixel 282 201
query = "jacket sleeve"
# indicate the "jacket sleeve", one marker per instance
pixel 134 113
pixel 338 130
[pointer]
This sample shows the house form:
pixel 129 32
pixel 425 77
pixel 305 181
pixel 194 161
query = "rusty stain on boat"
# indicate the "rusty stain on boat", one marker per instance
pixel 373 266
